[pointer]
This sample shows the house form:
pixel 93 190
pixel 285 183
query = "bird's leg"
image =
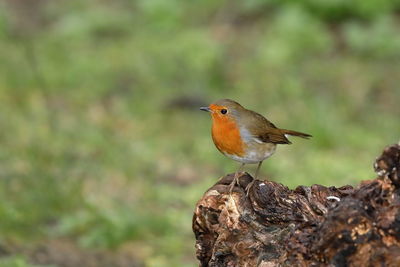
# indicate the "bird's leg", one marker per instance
pixel 258 170
pixel 255 178
pixel 235 178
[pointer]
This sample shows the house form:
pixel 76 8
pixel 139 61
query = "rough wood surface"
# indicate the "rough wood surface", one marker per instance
pixel 307 226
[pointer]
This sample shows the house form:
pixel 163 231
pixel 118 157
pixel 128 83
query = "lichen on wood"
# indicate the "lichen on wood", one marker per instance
pixel 308 226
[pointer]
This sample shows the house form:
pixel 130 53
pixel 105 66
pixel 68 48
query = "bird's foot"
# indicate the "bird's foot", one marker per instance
pixel 247 189
pixel 235 181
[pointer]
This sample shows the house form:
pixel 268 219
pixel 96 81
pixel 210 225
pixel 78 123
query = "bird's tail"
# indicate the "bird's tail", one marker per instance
pixel 294 133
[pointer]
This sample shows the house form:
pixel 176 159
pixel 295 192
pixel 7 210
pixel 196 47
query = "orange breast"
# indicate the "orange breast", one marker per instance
pixel 226 136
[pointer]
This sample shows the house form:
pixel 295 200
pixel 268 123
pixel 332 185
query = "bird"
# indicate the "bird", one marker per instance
pixel 245 136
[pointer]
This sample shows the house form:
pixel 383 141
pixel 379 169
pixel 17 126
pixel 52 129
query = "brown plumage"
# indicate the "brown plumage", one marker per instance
pixel 244 135
pixel 257 124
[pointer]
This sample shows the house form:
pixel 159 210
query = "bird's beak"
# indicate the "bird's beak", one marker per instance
pixel 205 109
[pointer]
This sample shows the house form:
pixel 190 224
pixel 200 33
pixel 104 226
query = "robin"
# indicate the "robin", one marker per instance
pixel 244 135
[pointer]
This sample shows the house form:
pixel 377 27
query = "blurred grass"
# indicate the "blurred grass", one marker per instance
pixel 93 148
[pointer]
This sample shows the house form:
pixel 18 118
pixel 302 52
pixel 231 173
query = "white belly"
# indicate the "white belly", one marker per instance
pixel 255 152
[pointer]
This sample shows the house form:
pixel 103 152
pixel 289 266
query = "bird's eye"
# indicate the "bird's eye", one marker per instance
pixel 224 111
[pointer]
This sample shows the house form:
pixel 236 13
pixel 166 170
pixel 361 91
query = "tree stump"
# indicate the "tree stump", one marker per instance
pixel 308 226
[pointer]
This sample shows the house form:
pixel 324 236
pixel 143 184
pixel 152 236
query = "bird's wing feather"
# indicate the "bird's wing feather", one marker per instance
pixel 263 129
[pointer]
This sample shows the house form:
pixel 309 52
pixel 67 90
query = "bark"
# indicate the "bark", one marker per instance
pixel 308 226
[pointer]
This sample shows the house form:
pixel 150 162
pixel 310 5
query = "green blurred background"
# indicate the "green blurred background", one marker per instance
pixel 104 152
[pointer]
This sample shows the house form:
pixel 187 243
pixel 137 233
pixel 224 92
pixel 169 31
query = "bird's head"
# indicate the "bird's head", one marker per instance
pixel 224 110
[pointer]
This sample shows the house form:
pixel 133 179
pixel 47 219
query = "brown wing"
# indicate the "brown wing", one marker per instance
pixel 263 129
pixel 275 137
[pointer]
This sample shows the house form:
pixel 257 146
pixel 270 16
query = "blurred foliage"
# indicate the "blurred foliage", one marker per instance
pixel 102 141
pixel 18 261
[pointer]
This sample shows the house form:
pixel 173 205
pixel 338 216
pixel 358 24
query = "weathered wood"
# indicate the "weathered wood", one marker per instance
pixel 307 226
